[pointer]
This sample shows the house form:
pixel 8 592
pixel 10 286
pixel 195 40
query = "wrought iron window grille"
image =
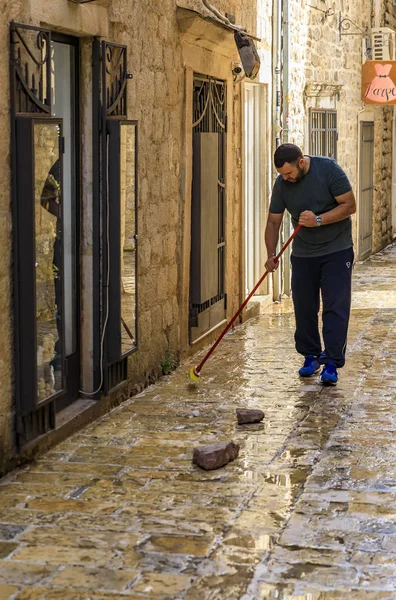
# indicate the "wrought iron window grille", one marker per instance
pixel 31 70
pixel 323 132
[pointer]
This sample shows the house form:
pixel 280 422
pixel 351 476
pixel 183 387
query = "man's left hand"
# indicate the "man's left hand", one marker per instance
pixel 307 219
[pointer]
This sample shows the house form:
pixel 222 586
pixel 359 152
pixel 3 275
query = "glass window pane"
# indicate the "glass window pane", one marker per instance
pixel 48 236
pixel 63 93
pixel 128 236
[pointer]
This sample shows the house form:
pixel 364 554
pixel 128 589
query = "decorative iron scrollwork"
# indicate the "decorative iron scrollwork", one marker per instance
pixel 345 24
pixel 114 79
pixel 210 117
pixel 31 67
pixel 209 106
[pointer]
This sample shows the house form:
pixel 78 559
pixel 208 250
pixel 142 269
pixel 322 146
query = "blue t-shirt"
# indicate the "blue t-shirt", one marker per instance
pixel 316 191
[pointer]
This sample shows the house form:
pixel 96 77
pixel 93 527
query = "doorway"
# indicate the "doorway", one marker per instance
pixel 208 215
pixel 366 186
pixel 45 198
pixel 65 107
pixel 255 176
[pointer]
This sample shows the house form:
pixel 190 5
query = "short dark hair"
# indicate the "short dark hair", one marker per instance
pixel 287 153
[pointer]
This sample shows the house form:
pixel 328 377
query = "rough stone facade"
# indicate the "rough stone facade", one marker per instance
pixel 319 56
pixel 163 58
pixel 162 63
pixel 10 10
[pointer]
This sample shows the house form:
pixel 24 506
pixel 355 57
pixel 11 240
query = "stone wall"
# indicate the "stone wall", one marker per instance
pixel 319 56
pixel 9 10
pixel 388 19
pixel 388 14
pixel 382 209
pixel 157 100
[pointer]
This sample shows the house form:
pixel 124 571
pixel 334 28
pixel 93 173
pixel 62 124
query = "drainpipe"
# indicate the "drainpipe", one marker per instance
pixel 286 89
pixel 276 74
pixel 276 109
pixel 286 63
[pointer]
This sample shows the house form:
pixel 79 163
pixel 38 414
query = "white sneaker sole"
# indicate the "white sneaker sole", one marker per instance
pixel 327 382
pixel 307 376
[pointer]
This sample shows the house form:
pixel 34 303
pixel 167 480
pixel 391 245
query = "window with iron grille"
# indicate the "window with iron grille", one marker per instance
pixel 323 132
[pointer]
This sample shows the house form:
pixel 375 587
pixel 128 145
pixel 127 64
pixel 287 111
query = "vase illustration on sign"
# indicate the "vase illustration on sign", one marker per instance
pixel 382 88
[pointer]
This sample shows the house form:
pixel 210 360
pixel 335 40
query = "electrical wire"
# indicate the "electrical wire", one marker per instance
pixel 107 277
pixel 223 18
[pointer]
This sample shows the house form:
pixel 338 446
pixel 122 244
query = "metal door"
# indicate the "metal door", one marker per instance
pixel 366 188
pixel 207 264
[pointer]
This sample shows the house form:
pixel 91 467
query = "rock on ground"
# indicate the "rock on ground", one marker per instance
pixel 249 415
pixel 215 456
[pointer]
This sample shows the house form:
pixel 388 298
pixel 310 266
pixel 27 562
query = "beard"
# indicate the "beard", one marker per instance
pixel 299 176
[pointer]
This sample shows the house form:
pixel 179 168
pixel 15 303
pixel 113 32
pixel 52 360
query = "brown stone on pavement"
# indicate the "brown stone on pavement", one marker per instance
pixel 215 456
pixel 249 415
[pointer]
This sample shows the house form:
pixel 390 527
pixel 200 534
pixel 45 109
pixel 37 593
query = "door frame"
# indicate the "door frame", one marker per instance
pixel 364 119
pixel 73 361
pixel 29 106
pixel 262 161
pixel 207 314
pixel 394 172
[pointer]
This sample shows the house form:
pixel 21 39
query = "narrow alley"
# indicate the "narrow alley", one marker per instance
pixel 307 511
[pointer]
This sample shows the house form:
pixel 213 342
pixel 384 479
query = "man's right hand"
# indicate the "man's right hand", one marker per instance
pixel 271 264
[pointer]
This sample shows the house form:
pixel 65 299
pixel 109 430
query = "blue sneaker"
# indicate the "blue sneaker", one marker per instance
pixel 310 367
pixel 329 374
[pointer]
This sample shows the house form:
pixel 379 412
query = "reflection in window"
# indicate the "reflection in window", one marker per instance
pixel 48 218
pixel 128 237
pixel 63 95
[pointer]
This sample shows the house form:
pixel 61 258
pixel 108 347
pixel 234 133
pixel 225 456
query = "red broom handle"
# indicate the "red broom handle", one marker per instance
pixel 240 309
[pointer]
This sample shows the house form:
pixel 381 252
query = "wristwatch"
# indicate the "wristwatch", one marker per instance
pixel 318 220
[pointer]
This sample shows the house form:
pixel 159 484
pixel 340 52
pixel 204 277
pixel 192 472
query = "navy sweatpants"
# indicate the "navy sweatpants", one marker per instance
pixel 330 275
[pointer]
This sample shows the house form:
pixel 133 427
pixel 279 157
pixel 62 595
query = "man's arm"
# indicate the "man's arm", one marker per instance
pixel 271 239
pixel 346 207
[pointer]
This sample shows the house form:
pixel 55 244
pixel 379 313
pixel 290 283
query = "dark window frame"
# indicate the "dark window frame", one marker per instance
pixel 110 107
pixel 31 106
pixel 114 349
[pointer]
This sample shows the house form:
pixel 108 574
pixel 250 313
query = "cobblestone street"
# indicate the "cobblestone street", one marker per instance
pixel 307 511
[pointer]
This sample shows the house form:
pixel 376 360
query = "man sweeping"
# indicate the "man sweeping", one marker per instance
pixel 317 194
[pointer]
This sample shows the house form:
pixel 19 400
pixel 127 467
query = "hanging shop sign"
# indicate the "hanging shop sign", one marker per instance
pixel 379 82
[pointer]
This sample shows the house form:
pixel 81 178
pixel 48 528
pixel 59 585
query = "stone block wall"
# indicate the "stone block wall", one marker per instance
pixel 157 100
pixel 10 10
pixel 318 55
pixel 382 209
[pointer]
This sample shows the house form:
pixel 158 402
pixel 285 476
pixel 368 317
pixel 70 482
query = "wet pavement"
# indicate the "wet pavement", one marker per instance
pixel 306 512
